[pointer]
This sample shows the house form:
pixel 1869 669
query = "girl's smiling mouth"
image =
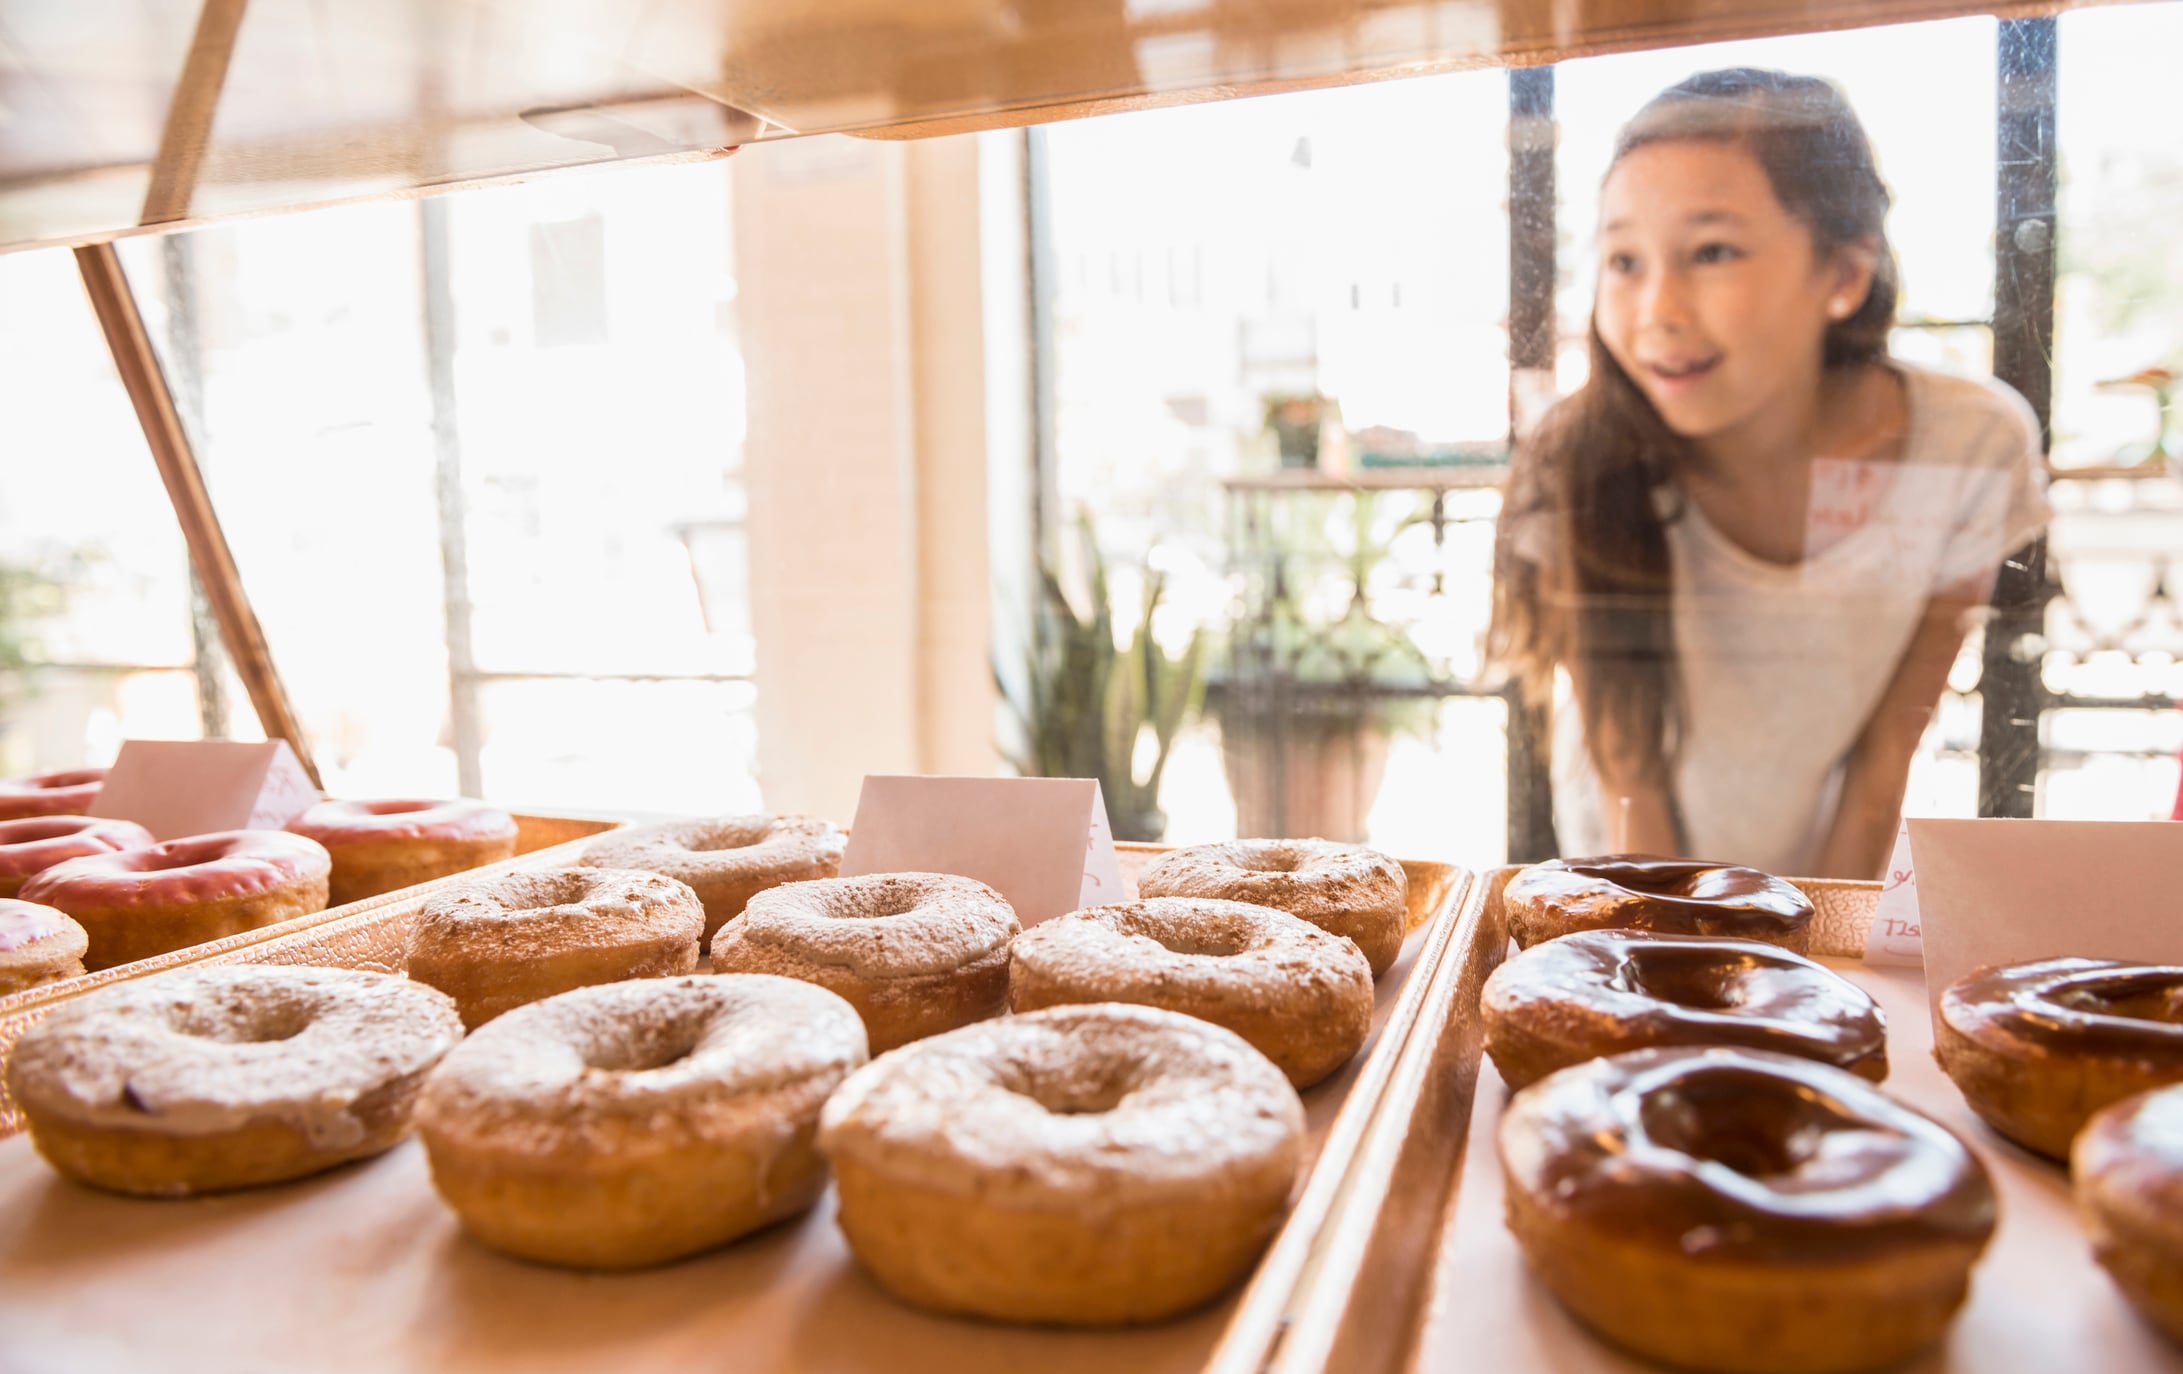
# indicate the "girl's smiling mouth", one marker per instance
pixel 1682 374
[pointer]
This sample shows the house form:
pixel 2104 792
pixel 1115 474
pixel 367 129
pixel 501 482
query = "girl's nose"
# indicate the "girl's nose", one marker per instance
pixel 1662 301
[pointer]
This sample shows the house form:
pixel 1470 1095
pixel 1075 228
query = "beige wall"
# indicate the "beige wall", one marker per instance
pixel 860 315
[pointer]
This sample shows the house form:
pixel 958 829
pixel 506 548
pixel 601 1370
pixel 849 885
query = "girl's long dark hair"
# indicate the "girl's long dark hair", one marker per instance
pixel 1583 485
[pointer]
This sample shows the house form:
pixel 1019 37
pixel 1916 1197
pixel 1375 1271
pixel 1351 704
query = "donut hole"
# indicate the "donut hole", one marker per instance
pixel 645 1048
pixel 1067 1094
pixel 1272 861
pixel 175 854
pixel 2145 997
pixel 1659 877
pixel 394 808
pixel 878 903
pixel 30 830
pixel 727 837
pixel 1699 985
pixel 538 891
pixel 1741 1121
pixel 257 1024
pixel 1208 941
pixel 1095 1103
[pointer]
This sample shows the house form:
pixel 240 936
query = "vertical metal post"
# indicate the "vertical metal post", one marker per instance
pixel 1046 515
pixel 465 719
pixel 186 380
pixel 2011 693
pixel 1531 339
pixel 146 383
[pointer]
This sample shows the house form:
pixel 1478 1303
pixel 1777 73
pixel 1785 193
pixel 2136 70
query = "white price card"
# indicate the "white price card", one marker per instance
pixel 1042 843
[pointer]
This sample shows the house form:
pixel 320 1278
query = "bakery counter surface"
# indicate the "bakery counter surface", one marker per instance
pixel 2037 1303
pixel 365 1269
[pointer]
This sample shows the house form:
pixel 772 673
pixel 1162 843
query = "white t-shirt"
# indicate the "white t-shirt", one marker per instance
pixel 1781 665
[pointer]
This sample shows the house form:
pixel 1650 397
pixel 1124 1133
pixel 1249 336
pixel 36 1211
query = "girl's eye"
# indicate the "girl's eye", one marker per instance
pixel 1716 252
pixel 1622 264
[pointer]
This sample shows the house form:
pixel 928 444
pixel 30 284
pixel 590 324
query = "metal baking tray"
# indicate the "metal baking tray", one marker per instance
pixel 364 1269
pixel 348 935
pixel 1414 1270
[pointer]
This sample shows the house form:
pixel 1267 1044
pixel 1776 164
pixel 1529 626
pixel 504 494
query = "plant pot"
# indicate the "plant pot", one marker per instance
pixel 1142 827
pixel 1299 445
pixel 1296 425
pixel 1303 775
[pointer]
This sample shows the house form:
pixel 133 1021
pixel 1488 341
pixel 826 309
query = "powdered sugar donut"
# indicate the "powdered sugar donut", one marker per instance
pixel 37 945
pixel 1087 1165
pixel 1343 888
pixel 210 1078
pixel 498 943
pixel 1300 996
pixel 634 1123
pixel 914 953
pixel 726 860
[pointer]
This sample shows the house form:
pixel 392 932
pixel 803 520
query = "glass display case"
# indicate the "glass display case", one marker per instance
pixel 1153 392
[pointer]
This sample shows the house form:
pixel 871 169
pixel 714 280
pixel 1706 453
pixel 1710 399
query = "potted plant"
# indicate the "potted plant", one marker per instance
pixel 1085 700
pixel 1296 420
pixel 1309 705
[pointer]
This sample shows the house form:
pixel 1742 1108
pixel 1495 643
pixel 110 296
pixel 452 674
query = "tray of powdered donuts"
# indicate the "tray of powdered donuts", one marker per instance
pixel 1708 1141
pixel 862 1121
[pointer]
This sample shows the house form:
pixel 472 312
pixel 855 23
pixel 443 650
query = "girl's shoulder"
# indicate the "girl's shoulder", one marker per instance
pixel 1955 418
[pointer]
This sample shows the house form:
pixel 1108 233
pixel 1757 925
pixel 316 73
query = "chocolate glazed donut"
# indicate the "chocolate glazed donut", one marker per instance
pixel 1602 992
pixel 2127 1165
pixel 1639 892
pixel 2037 1048
pixel 1743 1212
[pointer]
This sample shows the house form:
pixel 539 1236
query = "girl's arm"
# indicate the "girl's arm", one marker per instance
pixel 1637 815
pixel 1640 821
pixel 1878 770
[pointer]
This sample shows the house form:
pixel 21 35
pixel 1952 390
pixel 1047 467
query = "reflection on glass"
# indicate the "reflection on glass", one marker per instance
pixel 1740 560
pixel 517 412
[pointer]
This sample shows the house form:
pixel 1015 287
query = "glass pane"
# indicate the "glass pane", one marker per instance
pixel 1344 255
pixel 522 404
pixel 313 428
pixel 650 748
pixel 94 586
pixel 1941 173
pixel 2115 552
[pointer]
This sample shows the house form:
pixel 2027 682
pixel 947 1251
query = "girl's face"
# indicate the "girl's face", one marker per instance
pixel 1711 297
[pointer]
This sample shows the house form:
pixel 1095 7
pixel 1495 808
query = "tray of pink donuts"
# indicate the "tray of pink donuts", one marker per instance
pixel 82 893
pixel 1682 1125
pixel 818 1121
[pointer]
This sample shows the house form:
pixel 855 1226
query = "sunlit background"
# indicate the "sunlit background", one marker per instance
pixel 529 402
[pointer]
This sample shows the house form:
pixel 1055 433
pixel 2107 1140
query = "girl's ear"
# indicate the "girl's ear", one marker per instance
pixel 1851 269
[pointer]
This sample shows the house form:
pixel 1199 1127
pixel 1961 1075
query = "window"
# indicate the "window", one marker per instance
pixel 478 460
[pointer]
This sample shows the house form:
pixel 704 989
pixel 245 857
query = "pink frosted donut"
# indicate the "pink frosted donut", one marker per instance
pixel 142 902
pixel 50 794
pixel 378 846
pixel 34 844
pixel 37 945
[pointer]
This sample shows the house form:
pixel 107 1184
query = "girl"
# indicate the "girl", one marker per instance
pixel 1748 548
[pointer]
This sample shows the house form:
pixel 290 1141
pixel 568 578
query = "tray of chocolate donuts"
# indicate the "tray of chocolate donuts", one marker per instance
pixel 1684 1126
pixel 689 1099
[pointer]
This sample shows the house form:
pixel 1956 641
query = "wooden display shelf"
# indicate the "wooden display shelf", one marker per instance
pixel 1415 1270
pixel 325 936
pixel 133 115
pixel 363 1268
